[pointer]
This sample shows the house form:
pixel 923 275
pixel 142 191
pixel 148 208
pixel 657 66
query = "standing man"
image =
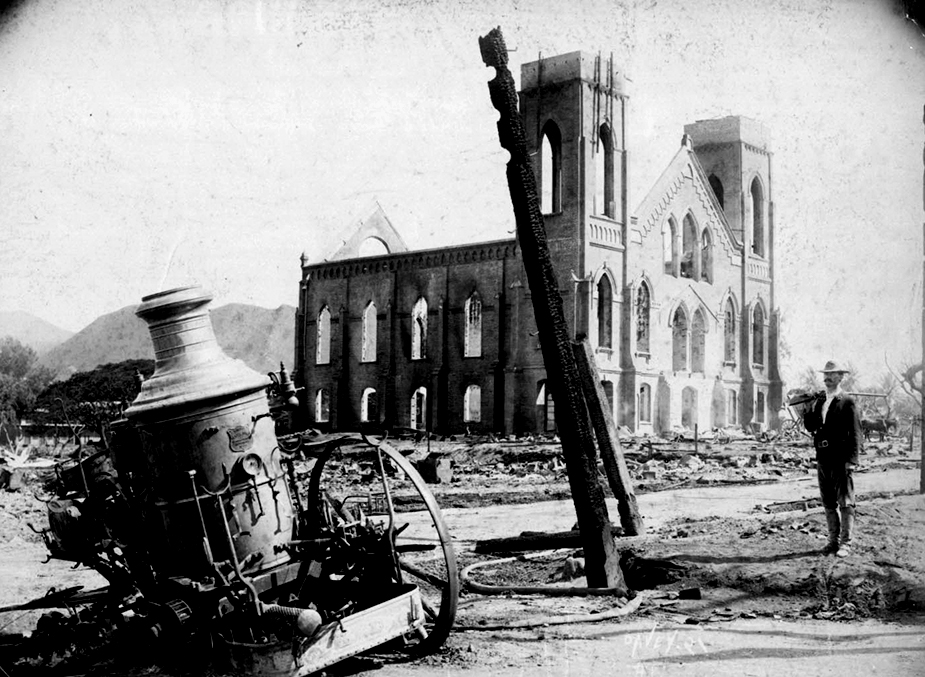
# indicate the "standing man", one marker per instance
pixel 836 429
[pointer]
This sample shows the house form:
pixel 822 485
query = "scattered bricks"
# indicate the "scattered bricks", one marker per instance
pixel 436 469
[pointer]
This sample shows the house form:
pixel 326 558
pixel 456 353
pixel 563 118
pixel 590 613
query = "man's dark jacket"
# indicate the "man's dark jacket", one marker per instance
pixel 838 440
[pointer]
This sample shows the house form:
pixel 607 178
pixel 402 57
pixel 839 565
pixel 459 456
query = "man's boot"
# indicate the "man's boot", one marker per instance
pixel 831 516
pixel 847 531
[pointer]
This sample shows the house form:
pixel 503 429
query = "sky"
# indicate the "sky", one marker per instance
pixel 145 146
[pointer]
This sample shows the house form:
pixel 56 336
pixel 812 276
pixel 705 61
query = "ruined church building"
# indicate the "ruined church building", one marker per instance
pixel 677 300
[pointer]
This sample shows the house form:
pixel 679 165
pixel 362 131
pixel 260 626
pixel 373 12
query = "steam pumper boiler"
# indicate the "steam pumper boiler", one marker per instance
pixel 279 552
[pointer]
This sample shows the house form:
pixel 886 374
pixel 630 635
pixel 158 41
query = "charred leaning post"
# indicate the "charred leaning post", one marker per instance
pixel 215 487
pixel 601 557
pixel 608 443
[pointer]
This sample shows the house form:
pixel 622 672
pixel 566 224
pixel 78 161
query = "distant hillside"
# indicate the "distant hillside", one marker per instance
pixel 259 337
pixel 32 331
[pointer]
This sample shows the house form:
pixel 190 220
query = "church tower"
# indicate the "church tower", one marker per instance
pixel 574 110
pixel 736 157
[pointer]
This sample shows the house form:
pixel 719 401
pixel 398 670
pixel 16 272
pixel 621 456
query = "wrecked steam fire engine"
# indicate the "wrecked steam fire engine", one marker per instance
pixel 197 519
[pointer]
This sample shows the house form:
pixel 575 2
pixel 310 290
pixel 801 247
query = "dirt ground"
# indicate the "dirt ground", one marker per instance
pixel 738 521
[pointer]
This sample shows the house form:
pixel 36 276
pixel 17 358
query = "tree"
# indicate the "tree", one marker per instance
pixel 93 398
pixel 16 359
pixel 809 380
pixel 20 382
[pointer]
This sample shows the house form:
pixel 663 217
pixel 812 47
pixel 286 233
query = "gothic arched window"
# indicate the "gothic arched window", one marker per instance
pixel 643 306
pixel 473 341
pixel 729 333
pixel 757 204
pixel 689 249
pixel 670 247
pixel 551 169
pixel 604 313
pixel 369 406
pixel 698 342
pixel 758 336
pixel 679 340
pixel 706 256
pixel 323 337
pixel 472 404
pixel 419 330
pixel 368 351
pixel 604 180
pixel 645 403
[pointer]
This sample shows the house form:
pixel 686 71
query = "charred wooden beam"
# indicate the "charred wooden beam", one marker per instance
pixel 602 564
pixel 534 540
pixel 608 443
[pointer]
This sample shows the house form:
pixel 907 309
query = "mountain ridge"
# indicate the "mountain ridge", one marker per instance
pixel 259 337
pixel 40 335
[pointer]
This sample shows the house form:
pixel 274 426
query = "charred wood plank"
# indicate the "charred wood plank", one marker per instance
pixel 535 540
pixel 608 443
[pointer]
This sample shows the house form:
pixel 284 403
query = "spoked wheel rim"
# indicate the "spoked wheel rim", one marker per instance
pixel 422 543
pixel 424 549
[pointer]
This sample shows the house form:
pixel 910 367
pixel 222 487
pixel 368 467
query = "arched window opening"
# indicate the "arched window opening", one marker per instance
pixel 419 330
pixel 732 407
pixel 689 417
pixel 603 175
pixel 368 352
pixel 323 340
pixel 643 306
pixel 604 313
pixel 551 170
pixel 369 406
pixel 706 256
pixel 758 336
pixel 757 218
pixel 645 403
pixel 670 246
pixel 546 407
pixel 698 342
pixel 729 333
pixel 322 406
pixel 419 409
pixel 759 407
pixel 373 246
pixel 689 248
pixel 473 404
pixel 679 340
pixel 473 347
pixel 717 187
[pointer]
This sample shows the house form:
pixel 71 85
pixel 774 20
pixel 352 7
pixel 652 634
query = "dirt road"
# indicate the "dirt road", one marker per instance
pixel 657 509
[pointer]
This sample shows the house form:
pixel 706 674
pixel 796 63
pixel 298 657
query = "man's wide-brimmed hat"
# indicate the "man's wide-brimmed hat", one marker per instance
pixel 834 366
